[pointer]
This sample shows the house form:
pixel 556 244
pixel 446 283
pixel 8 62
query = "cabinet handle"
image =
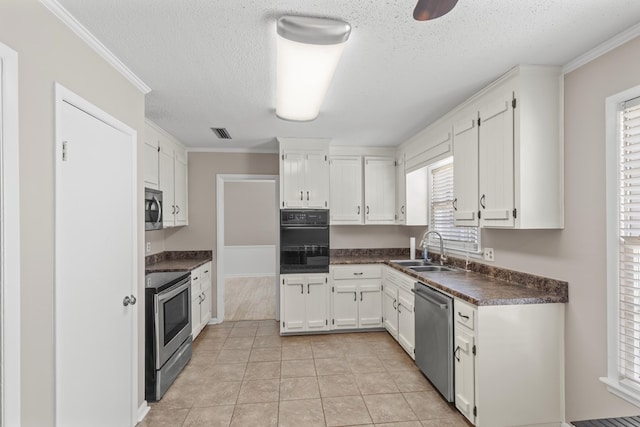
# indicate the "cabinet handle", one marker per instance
pixel 206 271
pixel 178 209
pixel 455 204
pixel 174 209
pixel 358 274
pixel 402 210
pixel 463 316
pixel 307 196
pixel 355 296
pixel 395 307
pixel 455 353
pixel 308 288
pixel 301 195
pixel 482 202
pixel 302 289
pixel 367 210
pixel 204 297
pixel 358 210
pixel 361 295
pixel 399 305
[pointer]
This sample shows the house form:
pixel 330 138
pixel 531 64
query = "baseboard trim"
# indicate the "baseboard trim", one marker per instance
pixel 566 425
pixel 214 321
pixel 143 410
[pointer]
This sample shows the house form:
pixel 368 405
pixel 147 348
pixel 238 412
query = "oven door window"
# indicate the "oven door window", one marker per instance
pixel 176 315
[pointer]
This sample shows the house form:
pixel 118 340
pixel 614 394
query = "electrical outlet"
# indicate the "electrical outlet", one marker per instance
pixel 148 247
pixel 488 254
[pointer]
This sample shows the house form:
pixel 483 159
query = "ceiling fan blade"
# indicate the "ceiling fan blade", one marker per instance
pixel 432 9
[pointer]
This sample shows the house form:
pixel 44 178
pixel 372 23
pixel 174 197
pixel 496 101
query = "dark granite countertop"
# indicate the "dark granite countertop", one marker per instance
pixel 176 261
pixel 485 287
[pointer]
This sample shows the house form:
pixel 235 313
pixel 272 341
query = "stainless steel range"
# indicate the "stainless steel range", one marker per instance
pixel 168 330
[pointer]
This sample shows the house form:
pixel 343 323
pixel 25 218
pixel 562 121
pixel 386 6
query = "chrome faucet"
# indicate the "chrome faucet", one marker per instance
pixel 425 242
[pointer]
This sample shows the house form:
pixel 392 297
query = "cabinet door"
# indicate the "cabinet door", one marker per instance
pixel 205 285
pixel 345 304
pixel 346 190
pixel 379 190
pixel 401 191
pixel 465 170
pixel 316 303
pixel 293 171
pixel 370 304
pixel 496 163
pixel 464 372
pixel 390 309
pixel 180 190
pixel 316 191
pixel 166 184
pixel 151 160
pixel 406 322
pixel 294 305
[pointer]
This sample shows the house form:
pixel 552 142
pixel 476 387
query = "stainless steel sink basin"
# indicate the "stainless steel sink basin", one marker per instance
pixel 431 268
pixel 412 262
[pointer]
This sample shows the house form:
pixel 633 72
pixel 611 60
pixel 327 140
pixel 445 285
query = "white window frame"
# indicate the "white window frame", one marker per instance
pixel 619 387
pixel 434 243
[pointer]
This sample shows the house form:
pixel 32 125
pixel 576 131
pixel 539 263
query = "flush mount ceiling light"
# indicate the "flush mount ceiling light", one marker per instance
pixel 308 52
pixel 432 9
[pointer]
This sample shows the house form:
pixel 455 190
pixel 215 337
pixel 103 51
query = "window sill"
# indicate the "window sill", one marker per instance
pixel 621 390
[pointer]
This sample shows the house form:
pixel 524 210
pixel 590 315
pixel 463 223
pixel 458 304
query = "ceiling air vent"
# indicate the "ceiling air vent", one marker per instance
pixel 221 133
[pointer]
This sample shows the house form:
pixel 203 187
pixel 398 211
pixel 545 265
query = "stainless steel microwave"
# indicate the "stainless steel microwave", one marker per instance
pixel 152 209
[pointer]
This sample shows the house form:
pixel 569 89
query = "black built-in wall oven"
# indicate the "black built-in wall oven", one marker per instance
pixel 304 241
pixel 167 330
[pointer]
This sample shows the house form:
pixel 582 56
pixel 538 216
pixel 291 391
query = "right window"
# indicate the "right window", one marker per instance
pixel 623 248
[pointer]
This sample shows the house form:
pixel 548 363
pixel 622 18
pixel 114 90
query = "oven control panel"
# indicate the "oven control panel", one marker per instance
pixel 304 217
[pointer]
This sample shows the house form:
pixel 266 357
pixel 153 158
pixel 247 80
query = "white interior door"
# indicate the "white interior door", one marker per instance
pixel 95 266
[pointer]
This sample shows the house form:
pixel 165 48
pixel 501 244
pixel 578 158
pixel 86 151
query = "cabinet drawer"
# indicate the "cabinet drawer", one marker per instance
pixel 464 314
pixel 357 272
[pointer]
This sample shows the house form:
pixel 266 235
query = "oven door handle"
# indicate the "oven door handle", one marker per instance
pixel 155 200
pixel 306 227
pixel 172 292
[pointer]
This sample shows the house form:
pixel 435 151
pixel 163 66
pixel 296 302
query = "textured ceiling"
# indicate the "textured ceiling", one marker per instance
pixel 211 63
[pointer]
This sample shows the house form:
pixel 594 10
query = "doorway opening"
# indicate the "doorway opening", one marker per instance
pixel 247 247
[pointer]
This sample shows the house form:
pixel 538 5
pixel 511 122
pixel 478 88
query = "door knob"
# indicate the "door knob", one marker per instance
pixel 133 300
pixel 126 301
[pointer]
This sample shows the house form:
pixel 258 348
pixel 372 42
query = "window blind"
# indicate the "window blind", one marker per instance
pixel 629 267
pixel 442 219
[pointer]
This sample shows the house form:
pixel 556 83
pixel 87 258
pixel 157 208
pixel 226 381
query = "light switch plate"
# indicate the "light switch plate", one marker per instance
pixel 488 254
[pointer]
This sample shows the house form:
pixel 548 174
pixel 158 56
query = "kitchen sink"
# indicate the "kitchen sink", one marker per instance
pixel 431 268
pixel 412 262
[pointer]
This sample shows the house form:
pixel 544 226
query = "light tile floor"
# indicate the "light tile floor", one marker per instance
pixel 245 374
pixel 249 298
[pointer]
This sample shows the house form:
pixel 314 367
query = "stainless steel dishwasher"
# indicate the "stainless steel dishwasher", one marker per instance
pixel 434 337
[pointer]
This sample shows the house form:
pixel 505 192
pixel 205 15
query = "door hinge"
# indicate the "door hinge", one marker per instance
pixel 64 151
pixel 158 148
pixel 473 350
pixel 396 217
pixel 382 287
pixel 326 322
pixel 325 203
pixel 326 280
pixel 515 213
pixel 283 157
pixel 282 282
pixel 325 158
pixel 283 204
pixel 479 121
pixel 479 215
pixel 395 163
pixel 333 321
pixel 283 323
pixel 513 103
pixel 332 289
pixel 475 411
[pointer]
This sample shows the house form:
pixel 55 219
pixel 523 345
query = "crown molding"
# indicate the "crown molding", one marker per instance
pixel 246 150
pixel 601 49
pixel 63 15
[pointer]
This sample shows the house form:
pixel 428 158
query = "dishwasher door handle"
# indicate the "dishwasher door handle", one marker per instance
pixel 428 299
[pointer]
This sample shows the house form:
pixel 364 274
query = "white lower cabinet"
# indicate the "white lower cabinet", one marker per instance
pixel 356 297
pixel 509 364
pixel 200 298
pixel 304 303
pixel 399 310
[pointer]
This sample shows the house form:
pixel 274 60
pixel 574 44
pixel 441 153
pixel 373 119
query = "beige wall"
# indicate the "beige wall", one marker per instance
pixel 250 213
pixel 577 253
pixel 201 232
pixel 48 52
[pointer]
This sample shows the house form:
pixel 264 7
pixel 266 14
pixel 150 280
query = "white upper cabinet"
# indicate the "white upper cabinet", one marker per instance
pixel 520 151
pixel 379 190
pixel 346 189
pixel 304 173
pixel 401 190
pixel 151 157
pixel 465 169
pixel 168 169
